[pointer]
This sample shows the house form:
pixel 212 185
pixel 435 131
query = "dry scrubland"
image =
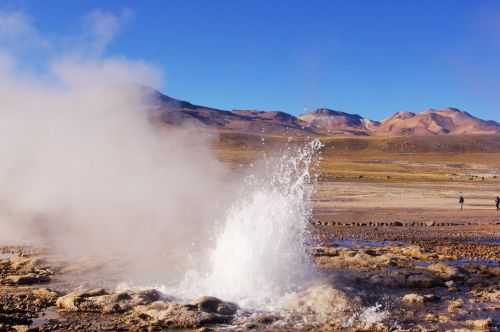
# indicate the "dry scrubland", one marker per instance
pixel 382 159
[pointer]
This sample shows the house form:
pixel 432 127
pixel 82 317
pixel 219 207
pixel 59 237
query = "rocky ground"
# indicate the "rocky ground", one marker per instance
pixel 439 269
pixel 378 270
pixel 30 300
pixel 423 290
pixel 366 286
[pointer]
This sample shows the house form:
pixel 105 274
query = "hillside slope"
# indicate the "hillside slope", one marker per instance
pixel 333 122
pixel 448 121
pixel 322 121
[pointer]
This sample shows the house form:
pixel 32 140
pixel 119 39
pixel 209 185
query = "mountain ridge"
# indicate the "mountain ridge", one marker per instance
pixel 321 121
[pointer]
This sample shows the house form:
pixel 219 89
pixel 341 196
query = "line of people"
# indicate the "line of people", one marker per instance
pixel 461 201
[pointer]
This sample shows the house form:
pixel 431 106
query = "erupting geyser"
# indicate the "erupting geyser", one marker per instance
pixel 259 252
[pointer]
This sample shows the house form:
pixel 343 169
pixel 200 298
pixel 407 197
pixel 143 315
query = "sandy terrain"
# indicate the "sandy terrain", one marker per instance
pixel 425 196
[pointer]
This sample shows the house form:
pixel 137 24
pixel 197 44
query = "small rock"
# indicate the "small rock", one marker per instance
pixel 266 319
pixel 414 252
pixel 45 293
pixel 421 281
pixel 480 324
pixel 413 299
pixel 445 271
pixel 430 318
pixel 431 298
pixel 453 305
pixel 325 251
pixel 450 283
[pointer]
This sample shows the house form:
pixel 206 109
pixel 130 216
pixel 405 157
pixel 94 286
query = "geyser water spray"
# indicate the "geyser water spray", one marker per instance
pixel 259 252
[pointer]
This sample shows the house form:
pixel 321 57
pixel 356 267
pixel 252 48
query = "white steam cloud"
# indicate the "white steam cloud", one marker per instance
pixel 103 27
pixel 83 170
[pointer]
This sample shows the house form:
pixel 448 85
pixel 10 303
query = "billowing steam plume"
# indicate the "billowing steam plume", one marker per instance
pixel 82 169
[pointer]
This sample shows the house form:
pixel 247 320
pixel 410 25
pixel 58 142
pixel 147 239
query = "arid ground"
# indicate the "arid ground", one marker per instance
pixel 387 233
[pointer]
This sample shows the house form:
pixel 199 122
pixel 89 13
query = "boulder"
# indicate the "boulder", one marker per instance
pixel 26 279
pixel 27 264
pixel 214 305
pixel 69 302
pixel 98 300
pixel 174 316
pixel 321 302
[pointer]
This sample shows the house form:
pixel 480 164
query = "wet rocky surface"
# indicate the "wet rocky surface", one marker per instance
pixel 426 292
pixel 440 274
pixel 372 284
pixel 41 302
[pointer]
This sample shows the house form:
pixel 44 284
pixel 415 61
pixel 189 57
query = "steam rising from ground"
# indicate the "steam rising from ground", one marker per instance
pixel 259 252
pixel 83 170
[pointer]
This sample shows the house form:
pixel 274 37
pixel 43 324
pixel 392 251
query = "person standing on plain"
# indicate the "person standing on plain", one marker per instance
pixel 497 201
pixel 461 201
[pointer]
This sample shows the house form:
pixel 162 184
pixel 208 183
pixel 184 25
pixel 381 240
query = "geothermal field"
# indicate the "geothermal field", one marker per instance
pixel 125 208
pixel 219 231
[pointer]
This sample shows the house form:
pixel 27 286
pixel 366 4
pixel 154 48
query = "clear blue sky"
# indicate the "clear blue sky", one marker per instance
pixel 368 57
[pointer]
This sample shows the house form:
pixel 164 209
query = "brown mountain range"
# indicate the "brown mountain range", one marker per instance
pixel 448 121
pixel 176 112
pixel 323 121
pixel 327 121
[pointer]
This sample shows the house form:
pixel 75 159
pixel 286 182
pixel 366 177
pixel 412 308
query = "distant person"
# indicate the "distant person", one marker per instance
pixel 497 201
pixel 461 201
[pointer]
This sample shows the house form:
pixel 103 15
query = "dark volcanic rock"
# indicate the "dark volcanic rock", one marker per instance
pixel 27 279
pixel 214 305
